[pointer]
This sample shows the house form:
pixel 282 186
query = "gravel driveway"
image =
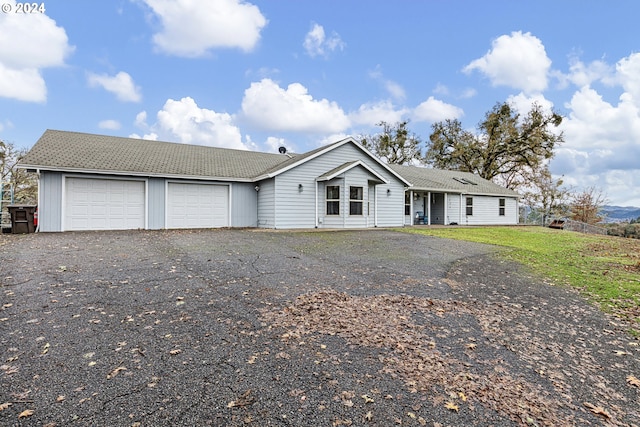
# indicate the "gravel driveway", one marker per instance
pixel 272 328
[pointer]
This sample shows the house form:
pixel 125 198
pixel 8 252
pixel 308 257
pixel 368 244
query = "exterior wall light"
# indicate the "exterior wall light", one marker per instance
pixel 257 188
pixel 300 188
pixel 388 191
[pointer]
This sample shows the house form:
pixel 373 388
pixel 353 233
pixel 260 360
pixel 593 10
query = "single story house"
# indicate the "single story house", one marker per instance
pixel 97 182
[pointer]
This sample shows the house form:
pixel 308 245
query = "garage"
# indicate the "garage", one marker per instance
pixel 104 204
pixel 197 205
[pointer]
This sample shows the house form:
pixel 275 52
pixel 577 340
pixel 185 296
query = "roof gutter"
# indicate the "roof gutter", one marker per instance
pixel 39 168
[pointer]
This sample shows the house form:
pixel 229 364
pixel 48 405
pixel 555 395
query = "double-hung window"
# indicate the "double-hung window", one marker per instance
pixel 355 200
pixel 501 206
pixel 469 206
pixel 333 200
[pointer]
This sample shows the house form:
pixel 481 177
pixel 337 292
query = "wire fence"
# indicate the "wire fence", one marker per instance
pixel 535 217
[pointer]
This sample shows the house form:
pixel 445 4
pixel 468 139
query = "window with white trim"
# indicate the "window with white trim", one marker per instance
pixel 501 206
pixel 333 200
pixel 469 206
pixel 355 200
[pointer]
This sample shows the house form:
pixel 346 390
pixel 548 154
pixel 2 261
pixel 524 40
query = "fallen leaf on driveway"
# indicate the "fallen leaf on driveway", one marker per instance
pixel 5 405
pixel 367 399
pixel 245 399
pixel 26 413
pixel 633 381
pixel 115 372
pixel 452 406
pixel 598 410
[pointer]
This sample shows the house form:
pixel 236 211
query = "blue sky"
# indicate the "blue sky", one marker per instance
pixel 257 75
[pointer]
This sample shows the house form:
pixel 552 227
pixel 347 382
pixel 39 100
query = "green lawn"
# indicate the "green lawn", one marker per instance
pixel 605 268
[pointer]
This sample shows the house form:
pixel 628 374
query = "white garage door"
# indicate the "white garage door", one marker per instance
pixel 197 205
pixel 104 204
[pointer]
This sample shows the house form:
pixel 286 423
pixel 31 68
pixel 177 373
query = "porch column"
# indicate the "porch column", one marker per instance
pixel 411 207
pixel 375 202
pixel 316 196
pixel 429 208
pixel 445 209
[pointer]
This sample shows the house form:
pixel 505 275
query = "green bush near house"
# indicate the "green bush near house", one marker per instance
pixel 604 268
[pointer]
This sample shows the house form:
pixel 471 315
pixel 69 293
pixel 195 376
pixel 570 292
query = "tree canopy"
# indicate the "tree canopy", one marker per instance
pixel 547 194
pixel 395 144
pixel 505 146
pixel 24 184
pixel 586 206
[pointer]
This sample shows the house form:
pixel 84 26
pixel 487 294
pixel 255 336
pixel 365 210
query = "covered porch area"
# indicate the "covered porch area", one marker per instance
pixel 426 207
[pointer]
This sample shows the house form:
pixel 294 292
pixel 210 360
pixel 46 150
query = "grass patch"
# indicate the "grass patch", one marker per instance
pixel 605 268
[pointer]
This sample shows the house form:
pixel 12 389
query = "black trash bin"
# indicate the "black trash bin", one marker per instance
pixel 22 218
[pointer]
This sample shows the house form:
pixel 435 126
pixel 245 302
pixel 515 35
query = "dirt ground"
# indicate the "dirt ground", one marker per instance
pixel 264 328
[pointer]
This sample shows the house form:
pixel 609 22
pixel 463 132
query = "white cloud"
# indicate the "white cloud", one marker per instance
pixel 317 44
pixel 183 121
pixel 433 110
pixel 601 145
pixel 523 103
pixel 628 74
pixel 109 124
pixel 121 85
pixel 517 60
pixel 30 43
pixel 373 113
pixel 191 28
pixel 394 89
pixel 581 74
pixel 271 107
pixel 149 136
pixel 141 120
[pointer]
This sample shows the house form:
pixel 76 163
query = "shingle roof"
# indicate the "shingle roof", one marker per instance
pixel 429 179
pixel 87 152
pixel 83 152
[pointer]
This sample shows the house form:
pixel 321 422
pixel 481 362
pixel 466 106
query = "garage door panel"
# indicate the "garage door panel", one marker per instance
pixel 197 205
pixel 104 204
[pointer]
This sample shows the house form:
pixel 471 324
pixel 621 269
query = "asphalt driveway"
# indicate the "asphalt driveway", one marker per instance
pixel 263 328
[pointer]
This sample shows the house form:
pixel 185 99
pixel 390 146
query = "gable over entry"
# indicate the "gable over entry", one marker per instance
pixel 349 195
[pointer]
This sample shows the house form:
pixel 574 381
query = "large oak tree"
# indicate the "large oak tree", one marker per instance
pixel 396 144
pixel 505 145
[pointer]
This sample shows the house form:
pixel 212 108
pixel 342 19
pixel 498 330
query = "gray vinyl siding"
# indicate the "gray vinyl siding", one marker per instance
pixel 453 208
pixel 266 204
pixel 244 204
pixel 50 203
pixel 296 209
pixel 156 203
pixel 295 206
pixel 486 211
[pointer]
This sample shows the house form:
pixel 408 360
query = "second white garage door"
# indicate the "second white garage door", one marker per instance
pixel 197 205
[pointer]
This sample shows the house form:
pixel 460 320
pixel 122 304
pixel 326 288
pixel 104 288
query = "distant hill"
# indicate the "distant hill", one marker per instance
pixel 620 213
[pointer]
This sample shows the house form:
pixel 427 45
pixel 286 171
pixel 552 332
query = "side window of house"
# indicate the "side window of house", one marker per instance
pixel 407 203
pixel 333 200
pixel 469 206
pixel 355 200
pixel 501 206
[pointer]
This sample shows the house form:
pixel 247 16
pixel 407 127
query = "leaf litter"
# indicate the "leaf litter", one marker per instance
pixel 411 353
